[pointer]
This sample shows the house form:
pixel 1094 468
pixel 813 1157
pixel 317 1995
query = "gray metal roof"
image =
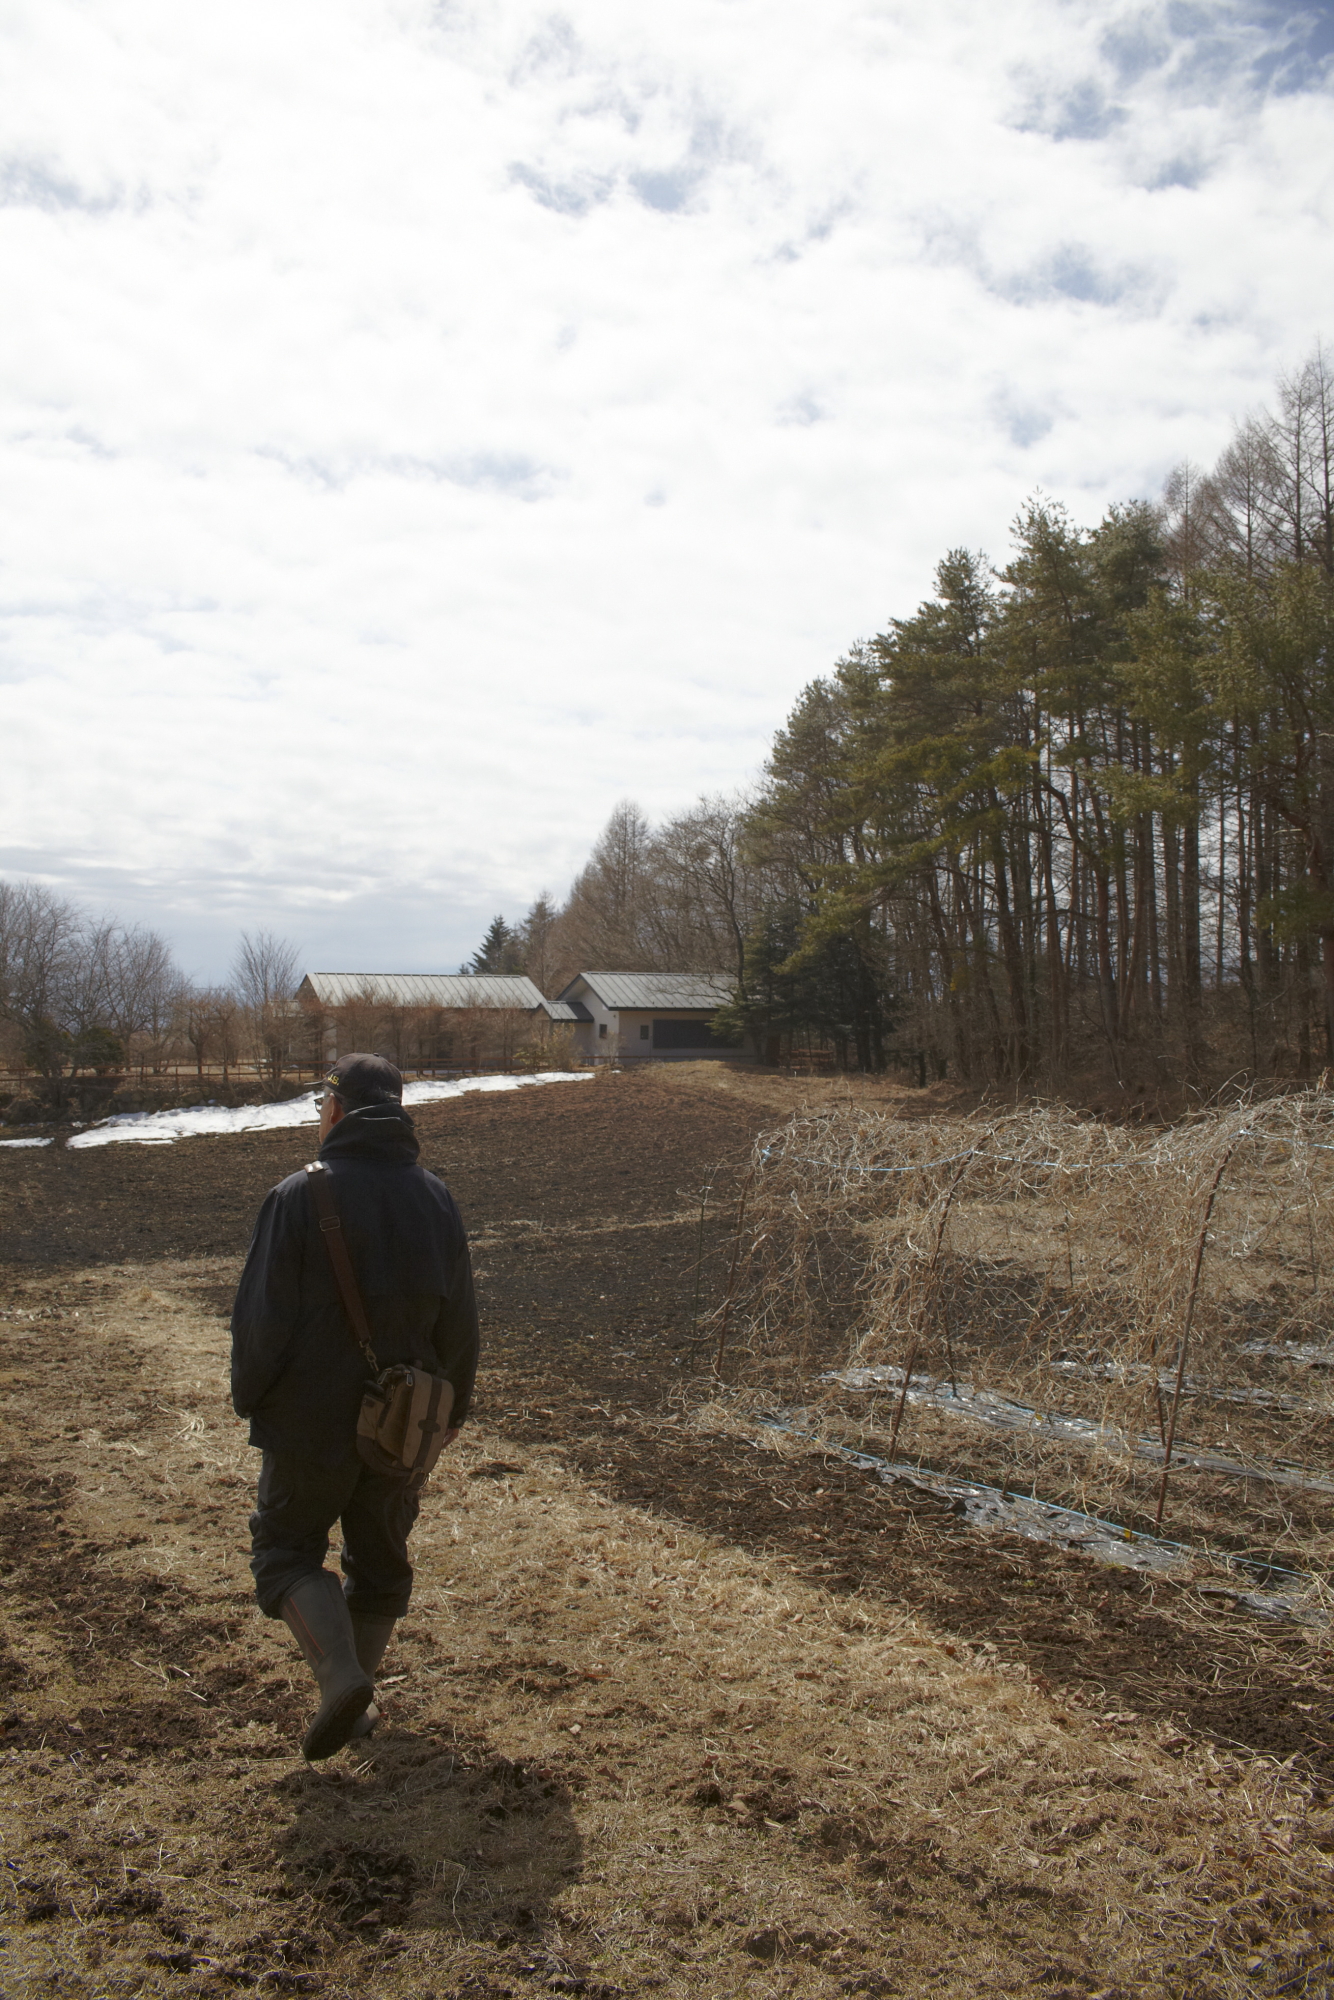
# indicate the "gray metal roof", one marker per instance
pixel 703 992
pixel 568 1010
pixel 425 989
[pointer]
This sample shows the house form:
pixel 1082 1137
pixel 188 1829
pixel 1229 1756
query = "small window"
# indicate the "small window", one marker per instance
pixel 602 1031
pixel 643 1032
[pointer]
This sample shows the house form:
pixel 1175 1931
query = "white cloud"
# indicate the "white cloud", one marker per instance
pixel 424 425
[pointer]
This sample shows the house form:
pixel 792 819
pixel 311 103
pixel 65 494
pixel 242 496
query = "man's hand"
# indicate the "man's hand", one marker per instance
pixel 450 1436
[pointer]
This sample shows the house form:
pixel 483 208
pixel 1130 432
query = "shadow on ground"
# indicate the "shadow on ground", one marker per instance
pixel 430 1833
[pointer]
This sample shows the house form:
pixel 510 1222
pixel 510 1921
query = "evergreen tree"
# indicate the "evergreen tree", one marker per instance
pixel 501 950
pixel 1075 813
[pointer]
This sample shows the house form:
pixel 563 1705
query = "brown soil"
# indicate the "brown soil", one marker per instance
pixel 680 1710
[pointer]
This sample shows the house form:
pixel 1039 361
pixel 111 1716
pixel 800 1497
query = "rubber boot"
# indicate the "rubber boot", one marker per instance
pixel 317 1616
pixel 372 1636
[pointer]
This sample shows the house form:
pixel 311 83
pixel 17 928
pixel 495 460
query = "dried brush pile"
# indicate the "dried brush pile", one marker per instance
pixel 1132 1323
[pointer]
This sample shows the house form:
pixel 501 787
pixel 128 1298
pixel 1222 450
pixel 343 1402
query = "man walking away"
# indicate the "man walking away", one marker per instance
pixel 299 1374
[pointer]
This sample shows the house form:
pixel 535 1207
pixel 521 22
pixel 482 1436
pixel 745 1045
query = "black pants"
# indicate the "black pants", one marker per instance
pixel 297 1504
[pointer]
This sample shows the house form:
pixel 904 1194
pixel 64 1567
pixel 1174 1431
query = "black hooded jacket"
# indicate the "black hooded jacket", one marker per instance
pixel 297 1370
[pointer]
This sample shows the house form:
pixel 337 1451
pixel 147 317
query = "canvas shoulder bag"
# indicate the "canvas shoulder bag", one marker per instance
pixel 405 1410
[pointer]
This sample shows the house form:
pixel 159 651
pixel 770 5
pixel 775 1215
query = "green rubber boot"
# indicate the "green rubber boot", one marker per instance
pixel 372 1636
pixel 317 1616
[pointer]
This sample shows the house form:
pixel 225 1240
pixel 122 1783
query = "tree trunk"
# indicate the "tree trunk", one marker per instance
pixel 1190 934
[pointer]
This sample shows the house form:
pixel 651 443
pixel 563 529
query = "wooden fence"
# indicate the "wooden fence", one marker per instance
pixel 181 1075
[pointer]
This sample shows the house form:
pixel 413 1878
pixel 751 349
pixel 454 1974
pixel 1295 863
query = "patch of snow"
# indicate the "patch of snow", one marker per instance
pixel 164 1128
pixel 27 1142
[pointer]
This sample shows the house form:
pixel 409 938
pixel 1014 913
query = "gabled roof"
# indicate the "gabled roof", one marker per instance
pixel 424 989
pixel 568 1010
pixel 704 992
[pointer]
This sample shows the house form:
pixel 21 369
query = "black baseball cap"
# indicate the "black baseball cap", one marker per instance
pixel 357 1080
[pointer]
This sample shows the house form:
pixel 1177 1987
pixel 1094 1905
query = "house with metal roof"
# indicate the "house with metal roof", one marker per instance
pixel 422 989
pixel 426 1019
pixel 646 1016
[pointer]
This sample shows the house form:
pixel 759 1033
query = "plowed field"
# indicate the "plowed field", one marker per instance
pixel 672 1713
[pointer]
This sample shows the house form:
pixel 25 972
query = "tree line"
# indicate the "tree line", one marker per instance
pixel 84 997
pixel 1073 815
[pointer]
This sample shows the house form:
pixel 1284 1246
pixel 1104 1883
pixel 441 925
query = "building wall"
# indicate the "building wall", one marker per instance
pixel 629 1035
pixel 466 1037
pixel 588 1043
pixel 626 1034
pixel 636 1045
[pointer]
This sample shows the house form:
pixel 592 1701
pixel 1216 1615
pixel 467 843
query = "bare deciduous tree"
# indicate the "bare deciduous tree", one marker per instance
pixel 40 935
pixel 85 992
pixel 265 972
pixel 678 898
pixel 537 938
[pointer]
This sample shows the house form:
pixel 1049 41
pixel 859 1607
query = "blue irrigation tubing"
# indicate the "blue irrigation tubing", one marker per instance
pixel 1116 1530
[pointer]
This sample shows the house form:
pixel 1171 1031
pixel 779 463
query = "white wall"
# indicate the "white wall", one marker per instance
pixel 623 1041
pixel 637 1048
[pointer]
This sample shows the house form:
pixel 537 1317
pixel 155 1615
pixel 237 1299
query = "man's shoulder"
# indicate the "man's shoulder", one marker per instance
pixel 441 1196
pixel 438 1185
pixel 291 1189
pixel 360 1174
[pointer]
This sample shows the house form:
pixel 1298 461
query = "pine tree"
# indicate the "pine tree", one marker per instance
pixel 501 950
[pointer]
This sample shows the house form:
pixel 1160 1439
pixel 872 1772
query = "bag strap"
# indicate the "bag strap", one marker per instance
pixel 429 1427
pixel 331 1229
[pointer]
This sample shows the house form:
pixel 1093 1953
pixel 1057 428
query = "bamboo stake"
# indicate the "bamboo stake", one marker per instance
pixel 964 1165
pixel 731 1276
pixel 1170 1439
pixel 706 1191
pixel 903 1397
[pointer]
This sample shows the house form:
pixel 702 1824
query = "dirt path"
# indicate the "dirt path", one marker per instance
pixel 675 1715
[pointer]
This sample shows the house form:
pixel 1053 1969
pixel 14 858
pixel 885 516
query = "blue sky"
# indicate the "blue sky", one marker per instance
pixel 427 424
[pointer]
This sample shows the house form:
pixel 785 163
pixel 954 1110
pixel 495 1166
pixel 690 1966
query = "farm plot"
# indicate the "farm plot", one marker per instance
pixel 1135 1325
pixel 671 1713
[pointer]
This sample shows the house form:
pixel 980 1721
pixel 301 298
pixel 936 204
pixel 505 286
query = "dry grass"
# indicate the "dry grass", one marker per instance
pixel 621 1758
pixel 1072 1266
